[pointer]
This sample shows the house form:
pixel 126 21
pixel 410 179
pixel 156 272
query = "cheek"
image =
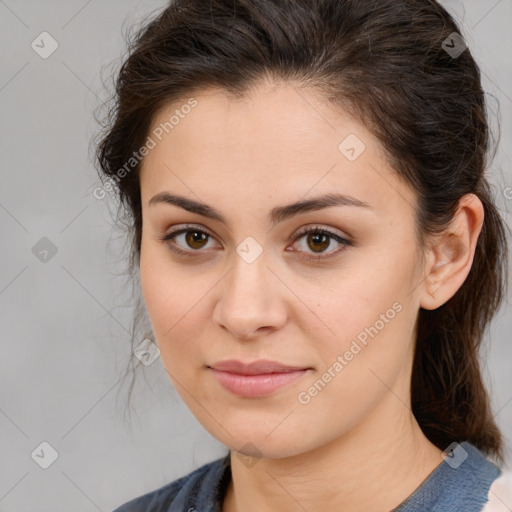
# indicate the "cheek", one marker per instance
pixel 355 305
pixel 359 366
pixel 369 333
pixel 158 292
pixel 370 320
pixel 173 305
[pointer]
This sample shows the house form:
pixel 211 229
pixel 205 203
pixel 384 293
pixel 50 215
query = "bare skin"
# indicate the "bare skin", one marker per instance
pixel 354 444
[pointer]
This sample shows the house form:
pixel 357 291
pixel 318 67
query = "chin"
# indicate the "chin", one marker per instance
pixel 265 450
pixel 257 443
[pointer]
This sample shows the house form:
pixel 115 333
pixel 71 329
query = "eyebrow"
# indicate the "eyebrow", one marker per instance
pixel 276 215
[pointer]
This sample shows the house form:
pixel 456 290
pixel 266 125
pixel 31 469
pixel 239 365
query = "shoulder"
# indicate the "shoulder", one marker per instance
pixel 500 494
pixel 467 480
pixel 200 481
pixel 462 481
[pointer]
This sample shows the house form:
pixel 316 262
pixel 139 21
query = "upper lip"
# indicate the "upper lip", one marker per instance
pixel 254 368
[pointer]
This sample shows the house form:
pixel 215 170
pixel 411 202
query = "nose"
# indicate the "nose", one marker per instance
pixel 251 300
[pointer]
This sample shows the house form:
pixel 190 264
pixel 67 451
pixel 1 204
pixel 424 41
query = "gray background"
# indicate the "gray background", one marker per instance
pixel 65 341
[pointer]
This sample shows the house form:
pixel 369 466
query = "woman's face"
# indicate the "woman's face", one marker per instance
pixel 248 285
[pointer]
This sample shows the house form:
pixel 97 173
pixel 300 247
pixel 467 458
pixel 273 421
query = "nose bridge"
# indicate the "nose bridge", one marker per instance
pixel 250 296
pixel 249 279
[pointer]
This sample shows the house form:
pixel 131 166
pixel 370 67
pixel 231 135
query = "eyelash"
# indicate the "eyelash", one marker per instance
pixel 316 230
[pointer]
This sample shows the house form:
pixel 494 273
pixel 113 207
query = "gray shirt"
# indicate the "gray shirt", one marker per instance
pixel 458 484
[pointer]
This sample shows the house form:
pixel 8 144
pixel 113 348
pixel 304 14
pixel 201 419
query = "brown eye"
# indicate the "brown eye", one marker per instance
pixel 189 241
pixel 196 239
pixel 318 242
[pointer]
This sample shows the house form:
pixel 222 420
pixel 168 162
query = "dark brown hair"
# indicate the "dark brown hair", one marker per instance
pixel 383 62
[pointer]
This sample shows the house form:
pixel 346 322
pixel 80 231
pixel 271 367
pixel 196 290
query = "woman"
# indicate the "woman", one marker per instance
pixel 318 247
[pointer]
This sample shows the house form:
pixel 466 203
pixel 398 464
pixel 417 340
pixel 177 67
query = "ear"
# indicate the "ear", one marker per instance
pixel 451 255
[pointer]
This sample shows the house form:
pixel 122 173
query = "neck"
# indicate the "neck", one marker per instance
pixel 375 466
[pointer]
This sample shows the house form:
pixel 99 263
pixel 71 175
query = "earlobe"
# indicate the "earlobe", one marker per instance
pixel 451 257
pixel 448 272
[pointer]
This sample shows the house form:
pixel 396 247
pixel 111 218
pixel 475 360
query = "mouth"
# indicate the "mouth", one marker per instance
pixel 256 379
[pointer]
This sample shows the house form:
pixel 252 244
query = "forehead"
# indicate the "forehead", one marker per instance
pixel 285 111
pixel 276 136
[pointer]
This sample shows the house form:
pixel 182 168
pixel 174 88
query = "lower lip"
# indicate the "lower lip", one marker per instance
pixel 252 386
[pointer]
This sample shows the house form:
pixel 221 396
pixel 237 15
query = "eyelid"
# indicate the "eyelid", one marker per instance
pixel 318 227
pixel 343 240
pixel 184 228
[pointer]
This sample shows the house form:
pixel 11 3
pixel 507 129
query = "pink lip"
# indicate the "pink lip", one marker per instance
pixel 258 378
